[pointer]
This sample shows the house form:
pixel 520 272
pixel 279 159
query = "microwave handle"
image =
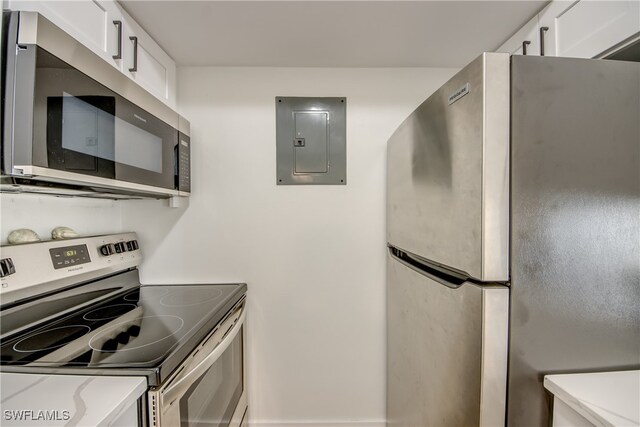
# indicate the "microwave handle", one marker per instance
pixel 135 54
pixel 178 389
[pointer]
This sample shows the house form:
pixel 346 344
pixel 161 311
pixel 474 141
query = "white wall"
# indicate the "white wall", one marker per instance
pixel 313 256
pixel 43 213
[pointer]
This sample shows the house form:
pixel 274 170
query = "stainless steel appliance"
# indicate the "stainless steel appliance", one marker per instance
pixel 77 307
pixel 513 224
pixel 73 124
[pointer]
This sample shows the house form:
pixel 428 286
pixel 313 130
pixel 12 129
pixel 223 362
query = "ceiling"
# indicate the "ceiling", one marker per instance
pixel 330 33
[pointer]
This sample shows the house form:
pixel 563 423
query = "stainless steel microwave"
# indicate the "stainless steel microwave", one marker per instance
pixel 73 124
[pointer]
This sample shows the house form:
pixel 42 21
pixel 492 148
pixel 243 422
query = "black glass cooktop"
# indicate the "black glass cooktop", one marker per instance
pixel 139 328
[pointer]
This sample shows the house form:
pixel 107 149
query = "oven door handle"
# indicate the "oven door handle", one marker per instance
pixel 181 386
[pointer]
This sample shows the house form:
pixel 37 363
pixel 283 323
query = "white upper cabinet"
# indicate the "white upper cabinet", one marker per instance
pixel 525 41
pixel 579 29
pixel 105 28
pixel 89 22
pixel 588 28
pixel 146 63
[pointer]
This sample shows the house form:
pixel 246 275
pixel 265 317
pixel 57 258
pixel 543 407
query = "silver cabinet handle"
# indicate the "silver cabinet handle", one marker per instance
pixel 524 46
pixel 118 25
pixel 135 54
pixel 543 30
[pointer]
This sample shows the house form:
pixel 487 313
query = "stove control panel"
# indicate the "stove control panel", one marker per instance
pixel 119 247
pixel 6 267
pixel 68 256
pixel 30 269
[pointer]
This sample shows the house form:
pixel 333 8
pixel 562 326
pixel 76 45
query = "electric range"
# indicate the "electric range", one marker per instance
pixel 77 307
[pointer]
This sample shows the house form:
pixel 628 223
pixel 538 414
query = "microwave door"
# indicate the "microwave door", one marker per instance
pixel 447 176
pixel 80 135
pixel 144 147
pixel 83 127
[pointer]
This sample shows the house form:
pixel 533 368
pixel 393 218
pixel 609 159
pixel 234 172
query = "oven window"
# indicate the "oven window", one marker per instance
pixel 83 127
pixel 212 400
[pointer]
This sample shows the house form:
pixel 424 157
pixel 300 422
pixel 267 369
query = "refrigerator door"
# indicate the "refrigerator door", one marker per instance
pixel 448 174
pixel 575 242
pixel 446 349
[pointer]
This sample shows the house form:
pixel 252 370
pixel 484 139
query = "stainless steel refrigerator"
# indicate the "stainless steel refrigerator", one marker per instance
pixel 513 226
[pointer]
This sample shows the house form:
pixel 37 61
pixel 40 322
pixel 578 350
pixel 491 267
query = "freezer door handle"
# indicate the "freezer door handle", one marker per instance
pixel 446 278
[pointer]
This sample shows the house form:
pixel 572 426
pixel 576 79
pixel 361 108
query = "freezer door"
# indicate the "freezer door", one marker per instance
pixel 446 350
pixel 448 173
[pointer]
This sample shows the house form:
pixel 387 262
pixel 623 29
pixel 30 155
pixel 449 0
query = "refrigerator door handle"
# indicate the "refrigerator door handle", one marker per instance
pixel 445 278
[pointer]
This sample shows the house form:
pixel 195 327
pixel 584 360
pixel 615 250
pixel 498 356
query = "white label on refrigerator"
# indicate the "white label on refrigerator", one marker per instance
pixel 464 90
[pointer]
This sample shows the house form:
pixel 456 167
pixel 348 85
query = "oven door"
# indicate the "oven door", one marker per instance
pixel 209 388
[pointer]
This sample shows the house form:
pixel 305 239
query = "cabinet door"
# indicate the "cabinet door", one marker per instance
pixel 547 22
pixel 585 29
pixel 147 64
pixel 527 34
pixel 88 21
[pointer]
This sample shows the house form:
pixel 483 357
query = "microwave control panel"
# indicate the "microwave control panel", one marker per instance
pixel 184 163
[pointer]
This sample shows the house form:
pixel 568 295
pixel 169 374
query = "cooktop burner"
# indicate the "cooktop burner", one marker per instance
pixel 132 296
pixel 109 312
pixel 182 299
pixel 50 338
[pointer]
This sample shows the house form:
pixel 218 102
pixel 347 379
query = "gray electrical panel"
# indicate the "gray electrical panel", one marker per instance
pixel 311 141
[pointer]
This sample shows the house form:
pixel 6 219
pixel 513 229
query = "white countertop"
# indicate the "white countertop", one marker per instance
pixel 604 398
pixel 87 400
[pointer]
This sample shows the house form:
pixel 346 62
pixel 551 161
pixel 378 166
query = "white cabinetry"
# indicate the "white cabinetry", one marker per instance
pixel 587 28
pixel 579 29
pixel 525 41
pixel 154 69
pixel 105 28
pixel 89 22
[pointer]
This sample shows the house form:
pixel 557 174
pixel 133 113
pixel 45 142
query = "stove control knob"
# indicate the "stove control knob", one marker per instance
pixel 6 267
pixel 107 249
pixel 110 345
pixel 120 247
pixel 122 338
pixel 132 245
